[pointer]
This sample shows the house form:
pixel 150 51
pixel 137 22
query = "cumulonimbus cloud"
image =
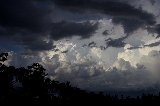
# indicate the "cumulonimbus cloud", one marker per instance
pixel 134 69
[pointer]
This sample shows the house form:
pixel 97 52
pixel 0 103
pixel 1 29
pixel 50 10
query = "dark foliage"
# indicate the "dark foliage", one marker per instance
pixel 31 86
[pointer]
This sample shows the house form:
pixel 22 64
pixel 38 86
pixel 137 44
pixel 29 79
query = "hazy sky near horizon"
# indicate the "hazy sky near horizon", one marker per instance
pixel 97 45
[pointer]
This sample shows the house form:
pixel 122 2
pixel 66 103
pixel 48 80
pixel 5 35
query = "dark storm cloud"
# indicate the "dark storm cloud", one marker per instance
pixel 26 39
pixel 24 14
pixel 132 48
pixel 146 45
pixel 38 44
pixel 130 17
pixel 110 42
pixel 115 42
pixel 29 22
pixel 154 29
pixel 66 29
pixel 152 44
pixel 57 31
pixel 36 41
pixel 129 24
pixel 152 2
pixel 21 20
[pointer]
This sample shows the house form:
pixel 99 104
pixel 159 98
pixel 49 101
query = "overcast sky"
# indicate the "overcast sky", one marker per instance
pixel 97 45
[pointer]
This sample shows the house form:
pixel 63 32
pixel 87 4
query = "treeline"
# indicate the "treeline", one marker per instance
pixel 31 85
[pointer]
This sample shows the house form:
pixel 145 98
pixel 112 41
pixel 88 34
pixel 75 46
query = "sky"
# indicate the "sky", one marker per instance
pixel 97 45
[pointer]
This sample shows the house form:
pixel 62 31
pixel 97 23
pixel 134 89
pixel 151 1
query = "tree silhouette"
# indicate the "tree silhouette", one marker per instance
pixel 3 57
pixel 6 78
pixel 33 81
pixel 31 85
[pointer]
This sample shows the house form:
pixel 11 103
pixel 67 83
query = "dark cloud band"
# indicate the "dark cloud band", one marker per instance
pixel 130 17
pixel 30 22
